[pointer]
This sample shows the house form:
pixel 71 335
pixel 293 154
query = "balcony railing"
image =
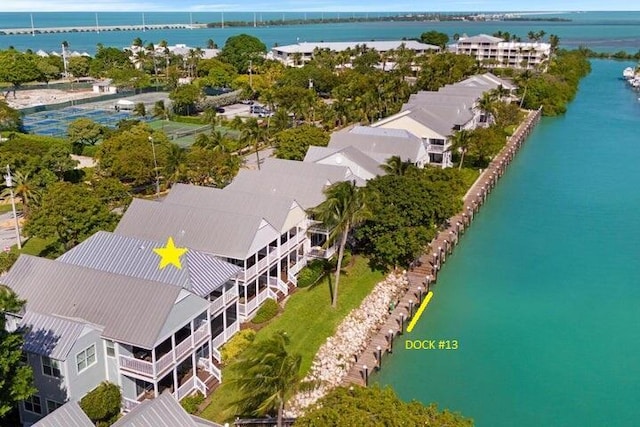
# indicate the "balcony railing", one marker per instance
pixel 249 306
pixel 278 284
pixel 144 367
pixel 187 388
pixel 434 148
pixel 129 404
pixel 319 252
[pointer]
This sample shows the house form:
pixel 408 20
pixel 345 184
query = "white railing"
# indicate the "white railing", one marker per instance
pixel 164 363
pixel 202 387
pixel 230 295
pixel 231 330
pixel 292 278
pixel 275 282
pixel 146 368
pixel 216 353
pixel 218 341
pixel 217 304
pixel 136 365
pixel 271 294
pixel 435 148
pixel 200 335
pixel 129 404
pixel 186 389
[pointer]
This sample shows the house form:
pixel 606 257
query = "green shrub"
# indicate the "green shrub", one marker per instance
pixel 267 311
pixel 311 273
pixel 102 404
pixel 7 259
pixel 191 403
pixel 89 150
pixel 237 345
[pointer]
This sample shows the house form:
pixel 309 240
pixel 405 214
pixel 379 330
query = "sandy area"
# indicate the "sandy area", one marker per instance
pixel 30 98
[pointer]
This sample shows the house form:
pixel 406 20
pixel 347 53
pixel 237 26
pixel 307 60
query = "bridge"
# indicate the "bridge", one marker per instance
pixel 98 29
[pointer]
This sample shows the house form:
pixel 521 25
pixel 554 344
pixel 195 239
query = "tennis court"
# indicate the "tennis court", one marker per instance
pixel 183 134
pixel 55 123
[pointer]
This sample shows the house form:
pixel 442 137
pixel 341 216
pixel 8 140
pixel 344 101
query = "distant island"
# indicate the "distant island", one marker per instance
pixel 431 17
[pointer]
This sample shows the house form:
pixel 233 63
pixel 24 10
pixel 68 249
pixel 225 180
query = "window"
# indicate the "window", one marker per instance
pixel 32 404
pixel 50 367
pixel 111 348
pixel 86 358
pixel 52 405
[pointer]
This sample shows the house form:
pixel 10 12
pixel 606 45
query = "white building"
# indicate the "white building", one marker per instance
pixel 300 53
pixel 495 52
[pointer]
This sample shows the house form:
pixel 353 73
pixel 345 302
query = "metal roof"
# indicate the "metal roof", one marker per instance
pixel 273 208
pixel 380 46
pixel 400 143
pixel 307 192
pixel 480 38
pixel 220 233
pixel 302 170
pixel 131 310
pixel 68 415
pixel 318 154
pixel 201 273
pixel 163 411
pixel 50 336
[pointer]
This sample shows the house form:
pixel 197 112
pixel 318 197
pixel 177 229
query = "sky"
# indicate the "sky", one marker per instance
pixel 313 5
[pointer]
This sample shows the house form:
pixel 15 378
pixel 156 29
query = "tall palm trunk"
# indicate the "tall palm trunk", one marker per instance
pixel 343 243
pixel 461 159
pixel 281 414
pixel 257 148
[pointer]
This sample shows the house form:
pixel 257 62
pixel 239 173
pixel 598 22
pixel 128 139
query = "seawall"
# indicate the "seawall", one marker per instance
pixel 423 274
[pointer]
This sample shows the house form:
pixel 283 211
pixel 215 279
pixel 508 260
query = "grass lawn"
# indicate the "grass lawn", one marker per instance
pixel 309 320
pixel 35 246
pixel 6 207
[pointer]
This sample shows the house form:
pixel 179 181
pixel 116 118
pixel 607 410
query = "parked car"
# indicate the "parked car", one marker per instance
pixel 219 110
pixel 247 102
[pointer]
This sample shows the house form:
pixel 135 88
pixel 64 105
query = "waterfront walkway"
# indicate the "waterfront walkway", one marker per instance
pixel 424 273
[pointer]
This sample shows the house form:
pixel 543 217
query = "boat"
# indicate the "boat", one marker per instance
pixel 628 73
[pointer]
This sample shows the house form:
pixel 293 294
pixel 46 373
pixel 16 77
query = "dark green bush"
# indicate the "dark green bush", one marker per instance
pixel 311 273
pixel 191 403
pixel 102 404
pixel 237 345
pixel 267 311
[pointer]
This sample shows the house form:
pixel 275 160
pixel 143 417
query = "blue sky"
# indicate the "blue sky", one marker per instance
pixel 313 5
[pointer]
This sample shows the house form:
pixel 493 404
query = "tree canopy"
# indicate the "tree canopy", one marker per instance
pixel 16 378
pixel 82 132
pixel 435 38
pixel 375 407
pixel 292 144
pixel 241 49
pixel 69 213
pixel 10 119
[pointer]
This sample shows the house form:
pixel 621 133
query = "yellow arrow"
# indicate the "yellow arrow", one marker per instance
pixel 424 305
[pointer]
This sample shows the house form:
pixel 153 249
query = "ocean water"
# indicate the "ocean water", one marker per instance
pixel 542 294
pixel 603 31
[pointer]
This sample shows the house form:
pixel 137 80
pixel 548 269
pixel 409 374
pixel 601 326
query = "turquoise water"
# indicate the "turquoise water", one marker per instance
pixel 603 31
pixel 543 293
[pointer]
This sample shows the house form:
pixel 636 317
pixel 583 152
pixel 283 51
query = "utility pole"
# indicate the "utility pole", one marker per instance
pixel 9 183
pixel 251 74
pixel 155 167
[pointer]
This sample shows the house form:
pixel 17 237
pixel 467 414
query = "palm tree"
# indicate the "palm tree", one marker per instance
pixel 23 188
pixel 345 207
pixel 266 376
pixel 460 141
pixel 395 166
pixel 254 134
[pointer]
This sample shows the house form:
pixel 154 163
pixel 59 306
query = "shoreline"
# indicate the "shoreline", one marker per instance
pixel 424 273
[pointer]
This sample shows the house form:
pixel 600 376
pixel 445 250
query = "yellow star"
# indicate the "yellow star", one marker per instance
pixel 170 255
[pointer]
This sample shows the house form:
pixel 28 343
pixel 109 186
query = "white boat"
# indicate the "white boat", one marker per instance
pixel 628 73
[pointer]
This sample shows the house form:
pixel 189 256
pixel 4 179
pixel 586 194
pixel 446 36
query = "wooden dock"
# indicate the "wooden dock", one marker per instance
pixel 424 273
pixel 98 29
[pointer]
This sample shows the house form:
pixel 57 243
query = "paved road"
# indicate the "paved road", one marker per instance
pixel 8 230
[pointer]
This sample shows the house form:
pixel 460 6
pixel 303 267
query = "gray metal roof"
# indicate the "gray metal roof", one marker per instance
pixel 163 411
pixel 118 303
pixel 406 146
pixel 48 335
pixel 480 38
pixel 271 207
pixel 441 119
pixel 201 273
pixel 308 192
pixel 303 170
pixel 68 415
pixel 350 152
pixel 225 234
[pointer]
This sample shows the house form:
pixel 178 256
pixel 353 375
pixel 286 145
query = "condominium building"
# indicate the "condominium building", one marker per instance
pixel 496 52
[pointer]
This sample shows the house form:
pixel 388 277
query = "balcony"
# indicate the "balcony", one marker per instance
pixel 320 252
pixel 436 148
pixel 223 300
pixel 145 367
pixel 223 337
pixel 248 307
